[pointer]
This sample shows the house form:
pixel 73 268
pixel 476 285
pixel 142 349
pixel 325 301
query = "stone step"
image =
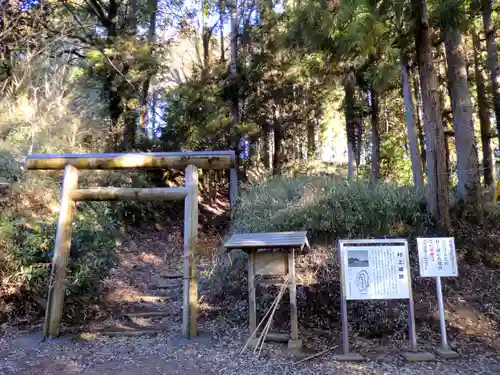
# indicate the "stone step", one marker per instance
pixel 152 299
pixel 132 331
pixel 130 328
pixel 171 275
pixel 166 285
pixel 145 314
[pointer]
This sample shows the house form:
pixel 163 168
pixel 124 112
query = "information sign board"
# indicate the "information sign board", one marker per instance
pixel 437 257
pixel 374 270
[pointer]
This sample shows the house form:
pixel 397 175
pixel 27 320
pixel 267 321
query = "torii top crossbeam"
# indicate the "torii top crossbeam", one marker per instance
pixel 173 160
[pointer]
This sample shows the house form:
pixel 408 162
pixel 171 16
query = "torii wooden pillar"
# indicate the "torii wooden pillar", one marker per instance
pixel 71 163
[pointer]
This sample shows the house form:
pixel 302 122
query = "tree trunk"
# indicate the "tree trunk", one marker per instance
pixel 221 22
pixel 350 116
pixel 465 142
pixel 416 161
pixel 444 92
pixel 437 189
pixel 206 35
pixel 418 120
pixel 491 48
pixel 132 18
pixel 130 99
pixel 143 119
pixel 311 138
pixel 484 115
pixel 267 141
pixel 278 152
pixel 113 95
pixel 153 118
pixel 375 172
pixel 233 66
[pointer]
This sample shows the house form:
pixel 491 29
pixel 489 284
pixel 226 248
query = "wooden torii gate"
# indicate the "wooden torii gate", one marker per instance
pixel 70 194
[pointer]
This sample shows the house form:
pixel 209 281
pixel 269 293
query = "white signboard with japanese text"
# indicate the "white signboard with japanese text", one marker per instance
pixel 375 270
pixel 437 257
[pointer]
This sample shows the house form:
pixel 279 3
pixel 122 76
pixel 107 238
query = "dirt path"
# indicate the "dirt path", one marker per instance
pixel 208 354
pixel 215 351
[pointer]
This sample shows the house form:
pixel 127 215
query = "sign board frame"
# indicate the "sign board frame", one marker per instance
pixel 374 242
pixel 439 243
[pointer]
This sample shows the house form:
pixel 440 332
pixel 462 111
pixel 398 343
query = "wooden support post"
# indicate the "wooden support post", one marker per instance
pixel 294 342
pixel 252 307
pixel 233 190
pixel 53 312
pixel 190 304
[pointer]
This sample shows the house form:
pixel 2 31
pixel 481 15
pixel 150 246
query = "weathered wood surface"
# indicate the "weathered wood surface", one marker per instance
pixel 174 160
pixel 273 240
pixel 252 304
pixel 55 299
pixel 129 194
pixel 271 264
pixel 190 301
pixel 292 288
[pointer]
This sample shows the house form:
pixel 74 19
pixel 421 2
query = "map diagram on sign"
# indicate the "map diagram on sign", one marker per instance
pixel 359 259
pixel 363 281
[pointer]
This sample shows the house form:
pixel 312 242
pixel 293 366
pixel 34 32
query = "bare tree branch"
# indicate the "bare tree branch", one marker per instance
pixel 97 9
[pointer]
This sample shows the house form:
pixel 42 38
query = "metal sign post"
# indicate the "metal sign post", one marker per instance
pixel 376 270
pixel 497 175
pixel 437 258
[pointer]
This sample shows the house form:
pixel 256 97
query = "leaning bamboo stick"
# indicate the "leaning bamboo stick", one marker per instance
pixel 316 355
pixel 267 327
pixel 262 337
pixel 262 321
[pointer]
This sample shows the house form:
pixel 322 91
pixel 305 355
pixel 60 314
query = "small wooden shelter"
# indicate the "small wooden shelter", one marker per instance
pixel 271 255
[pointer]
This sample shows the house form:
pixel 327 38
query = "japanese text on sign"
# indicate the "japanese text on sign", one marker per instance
pixel 375 270
pixel 437 257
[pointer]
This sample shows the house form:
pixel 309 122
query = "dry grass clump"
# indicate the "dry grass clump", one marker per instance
pixel 323 204
pixel 48 108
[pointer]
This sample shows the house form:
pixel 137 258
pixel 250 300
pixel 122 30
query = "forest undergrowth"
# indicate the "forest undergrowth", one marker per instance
pixel 332 210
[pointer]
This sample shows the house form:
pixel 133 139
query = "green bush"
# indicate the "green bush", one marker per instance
pixel 326 205
pixel 26 249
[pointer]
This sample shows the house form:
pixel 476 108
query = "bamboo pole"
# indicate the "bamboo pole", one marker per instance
pixel 174 160
pixel 233 190
pixel 271 308
pixel 316 355
pixel 129 194
pixel 263 335
pixel 55 299
pixel 190 301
